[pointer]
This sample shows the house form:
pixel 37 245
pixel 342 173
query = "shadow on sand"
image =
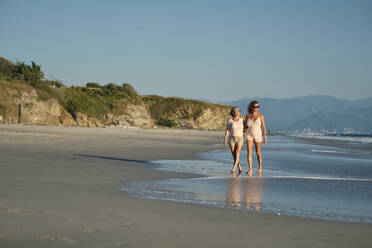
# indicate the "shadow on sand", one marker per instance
pixel 111 158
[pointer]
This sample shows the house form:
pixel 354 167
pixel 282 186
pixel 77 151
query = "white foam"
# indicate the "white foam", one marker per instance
pixel 340 152
pixel 324 178
pixel 325 136
pixel 282 177
pixel 327 151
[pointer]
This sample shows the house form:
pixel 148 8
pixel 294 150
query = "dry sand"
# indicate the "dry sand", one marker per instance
pixel 58 189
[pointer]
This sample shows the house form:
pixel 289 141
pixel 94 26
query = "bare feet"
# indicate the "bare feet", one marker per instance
pixel 259 170
pixel 236 176
pixel 240 168
pixel 250 172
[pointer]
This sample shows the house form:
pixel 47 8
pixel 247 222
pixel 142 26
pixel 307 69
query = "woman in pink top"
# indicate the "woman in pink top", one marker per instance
pixel 234 130
pixel 254 123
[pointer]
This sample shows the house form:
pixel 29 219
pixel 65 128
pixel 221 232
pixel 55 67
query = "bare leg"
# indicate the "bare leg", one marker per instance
pixel 259 157
pixel 240 167
pixel 249 156
pixel 238 148
pixel 232 149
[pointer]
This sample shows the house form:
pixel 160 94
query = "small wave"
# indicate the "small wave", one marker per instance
pixel 353 138
pixel 329 151
pixel 210 177
pixel 324 178
pixel 342 152
pixel 286 177
pixel 326 151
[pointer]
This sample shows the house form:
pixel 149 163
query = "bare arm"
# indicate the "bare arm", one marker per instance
pixel 227 134
pixel 245 126
pixel 263 127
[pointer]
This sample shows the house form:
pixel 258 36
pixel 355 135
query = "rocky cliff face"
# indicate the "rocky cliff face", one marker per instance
pixel 20 104
pixel 208 118
pixel 135 116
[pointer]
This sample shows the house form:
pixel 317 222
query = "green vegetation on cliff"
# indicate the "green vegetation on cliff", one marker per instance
pixel 93 100
pixel 168 107
pixel 20 71
pixel 96 102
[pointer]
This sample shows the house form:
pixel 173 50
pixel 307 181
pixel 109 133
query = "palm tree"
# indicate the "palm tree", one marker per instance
pixel 36 72
pixel 23 70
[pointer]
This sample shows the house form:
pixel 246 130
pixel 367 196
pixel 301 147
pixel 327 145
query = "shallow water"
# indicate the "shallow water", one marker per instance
pixel 301 179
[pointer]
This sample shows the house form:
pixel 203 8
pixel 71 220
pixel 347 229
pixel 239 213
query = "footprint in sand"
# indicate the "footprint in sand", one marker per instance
pixel 91 230
pixel 13 210
pixel 120 245
pixel 48 237
pixel 4 234
pixel 127 224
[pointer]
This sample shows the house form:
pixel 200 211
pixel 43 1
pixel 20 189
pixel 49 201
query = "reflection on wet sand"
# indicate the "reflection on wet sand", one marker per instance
pixel 233 192
pixel 244 193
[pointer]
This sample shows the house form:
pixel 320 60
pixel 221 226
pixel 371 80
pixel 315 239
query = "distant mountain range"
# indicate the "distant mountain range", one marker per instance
pixel 316 112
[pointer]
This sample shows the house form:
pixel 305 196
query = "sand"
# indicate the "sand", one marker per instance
pixel 58 188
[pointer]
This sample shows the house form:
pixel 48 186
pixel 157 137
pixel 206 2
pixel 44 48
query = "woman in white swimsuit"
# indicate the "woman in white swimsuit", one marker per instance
pixel 234 130
pixel 254 123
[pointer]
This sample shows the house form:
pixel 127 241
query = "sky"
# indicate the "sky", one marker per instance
pixel 215 50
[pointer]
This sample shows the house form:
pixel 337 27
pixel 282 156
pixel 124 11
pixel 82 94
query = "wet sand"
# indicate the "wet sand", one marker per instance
pixel 59 189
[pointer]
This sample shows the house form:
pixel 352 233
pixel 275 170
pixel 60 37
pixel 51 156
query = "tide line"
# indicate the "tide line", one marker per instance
pixel 285 177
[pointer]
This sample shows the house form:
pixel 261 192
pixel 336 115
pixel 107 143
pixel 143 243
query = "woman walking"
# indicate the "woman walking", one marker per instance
pixel 234 130
pixel 254 123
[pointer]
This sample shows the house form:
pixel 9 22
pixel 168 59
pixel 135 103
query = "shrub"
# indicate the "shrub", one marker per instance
pixel 55 83
pixel 167 122
pixel 93 85
pixel 130 89
pixel 161 107
pixel 197 113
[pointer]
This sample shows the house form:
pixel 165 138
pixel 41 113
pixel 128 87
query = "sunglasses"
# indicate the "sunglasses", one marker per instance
pixel 257 106
pixel 234 111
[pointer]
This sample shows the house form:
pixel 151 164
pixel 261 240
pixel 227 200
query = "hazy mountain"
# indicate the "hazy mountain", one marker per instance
pixel 316 112
pixel 357 119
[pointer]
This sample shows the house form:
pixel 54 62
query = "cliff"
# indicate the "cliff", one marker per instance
pixel 29 98
pixel 20 104
pixel 107 106
pixel 186 113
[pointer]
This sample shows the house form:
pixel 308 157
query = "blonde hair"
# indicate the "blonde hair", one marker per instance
pixel 231 111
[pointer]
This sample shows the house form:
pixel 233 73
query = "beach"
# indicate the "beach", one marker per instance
pixel 59 188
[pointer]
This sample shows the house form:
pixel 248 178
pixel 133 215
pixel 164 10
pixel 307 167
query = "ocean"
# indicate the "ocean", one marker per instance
pixel 315 175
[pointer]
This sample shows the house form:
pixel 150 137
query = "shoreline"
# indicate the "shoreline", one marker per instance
pixel 270 194
pixel 59 189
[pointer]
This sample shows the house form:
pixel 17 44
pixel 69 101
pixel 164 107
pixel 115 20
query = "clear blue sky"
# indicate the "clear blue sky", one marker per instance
pixel 217 50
